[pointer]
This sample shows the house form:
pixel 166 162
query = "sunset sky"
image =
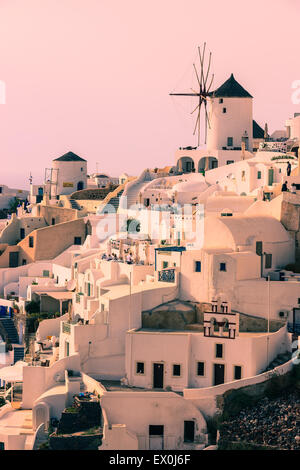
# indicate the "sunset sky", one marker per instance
pixel 94 76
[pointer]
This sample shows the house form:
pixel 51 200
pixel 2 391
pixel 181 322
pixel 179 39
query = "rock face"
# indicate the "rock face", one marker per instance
pixel 274 423
pixel 174 315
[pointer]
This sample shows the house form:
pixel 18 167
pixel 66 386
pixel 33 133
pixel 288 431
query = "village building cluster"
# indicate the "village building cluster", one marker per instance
pixel 155 294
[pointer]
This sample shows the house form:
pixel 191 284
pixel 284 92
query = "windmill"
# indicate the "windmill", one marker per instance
pixel 204 81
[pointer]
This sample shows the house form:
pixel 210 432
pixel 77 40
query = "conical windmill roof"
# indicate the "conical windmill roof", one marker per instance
pixel 231 89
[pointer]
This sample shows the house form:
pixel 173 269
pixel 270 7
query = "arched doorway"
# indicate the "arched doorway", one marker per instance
pixel 207 163
pixel 40 415
pixel 186 164
pixel 80 185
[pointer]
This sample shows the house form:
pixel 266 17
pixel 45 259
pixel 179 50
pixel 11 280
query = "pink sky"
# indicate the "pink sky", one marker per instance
pixel 93 76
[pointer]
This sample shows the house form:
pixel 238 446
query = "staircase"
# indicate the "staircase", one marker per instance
pixel 112 199
pixel 10 332
pixel 18 354
pixel 75 205
pixel 279 360
pixel 133 193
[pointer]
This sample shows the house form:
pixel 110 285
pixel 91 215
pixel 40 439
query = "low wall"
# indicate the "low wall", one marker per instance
pixel 50 327
pixel 205 399
pixel 92 385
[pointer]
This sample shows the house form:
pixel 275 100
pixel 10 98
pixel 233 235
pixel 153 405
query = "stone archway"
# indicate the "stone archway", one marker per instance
pixel 186 165
pixel 207 163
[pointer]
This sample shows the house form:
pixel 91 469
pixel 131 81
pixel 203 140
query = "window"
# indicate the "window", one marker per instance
pixel 224 110
pixel 77 240
pixel 46 273
pixel 165 264
pixel 259 175
pixel 243 175
pixel 200 369
pixel 229 162
pixel 31 242
pixel 53 221
pixel 176 370
pixel 222 266
pixel 22 233
pixel 198 266
pixel 229 141
pixel 237 372
pixel 268 261
pixel 24 262
pixel 220 100
pixel 219 350
pixel 140 368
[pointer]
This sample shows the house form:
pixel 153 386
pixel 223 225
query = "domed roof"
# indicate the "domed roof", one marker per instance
pixel 230 232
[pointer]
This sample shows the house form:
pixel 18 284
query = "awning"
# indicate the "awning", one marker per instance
pixel 65 295
pixel 13 373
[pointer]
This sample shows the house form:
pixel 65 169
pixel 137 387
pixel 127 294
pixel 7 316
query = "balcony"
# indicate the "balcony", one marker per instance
pixel 66 328
pixel 166 275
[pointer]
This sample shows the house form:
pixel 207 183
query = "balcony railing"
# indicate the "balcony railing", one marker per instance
pixel 166 275
pixel 293 327
pixel 66 328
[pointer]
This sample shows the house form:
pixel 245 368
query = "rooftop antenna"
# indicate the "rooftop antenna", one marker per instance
pixel 204 83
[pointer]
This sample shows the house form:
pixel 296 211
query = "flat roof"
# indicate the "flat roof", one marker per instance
pixel 66 295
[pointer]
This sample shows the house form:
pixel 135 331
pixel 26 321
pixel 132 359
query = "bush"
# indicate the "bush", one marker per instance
pixel 33 307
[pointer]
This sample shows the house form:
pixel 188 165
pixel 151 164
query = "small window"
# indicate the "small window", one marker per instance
pixel 31 242
pixel 140 367
pixel 24 262
pixel 229 162
pixel 53 221
pixel 229 141
pixel 222 266
pixel 259 175
pixel 46 273
pixel 237 372
pixel 243 176
pixel 224 110
pixel 198 266
pixel 77 240
pixel 200 369
pixel 268 261
pixel 176 370
pixel 219 350
pixel 220 100
pixel 165 264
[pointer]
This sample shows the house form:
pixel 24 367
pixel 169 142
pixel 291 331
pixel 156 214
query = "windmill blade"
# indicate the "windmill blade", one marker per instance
pixel 184 94
pixel 198 105
pixel 199 83
pixel 197 120
pixel 206 115
pixel 211 82
pixel 208 69
pixel 201 65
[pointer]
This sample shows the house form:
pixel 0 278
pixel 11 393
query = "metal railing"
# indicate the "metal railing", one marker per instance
pixel 166 275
